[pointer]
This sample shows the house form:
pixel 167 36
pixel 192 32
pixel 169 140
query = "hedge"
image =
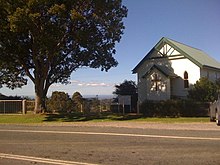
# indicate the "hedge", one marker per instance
pixel 174 108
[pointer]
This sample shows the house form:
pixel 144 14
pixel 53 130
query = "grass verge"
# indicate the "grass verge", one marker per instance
pixel 46 118
pixel 22 118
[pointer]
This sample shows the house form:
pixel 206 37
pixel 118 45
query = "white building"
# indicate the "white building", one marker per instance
pixel 170 68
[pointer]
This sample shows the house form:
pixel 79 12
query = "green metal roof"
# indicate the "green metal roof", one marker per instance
pixel 197 56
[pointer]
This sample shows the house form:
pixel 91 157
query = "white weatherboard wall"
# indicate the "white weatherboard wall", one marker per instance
pixel 180 66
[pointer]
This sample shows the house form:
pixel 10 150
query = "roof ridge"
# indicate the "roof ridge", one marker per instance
pixel 195 55
pixel 184 44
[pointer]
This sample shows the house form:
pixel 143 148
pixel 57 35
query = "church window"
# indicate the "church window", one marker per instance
pixel 156 82
pixel 186 81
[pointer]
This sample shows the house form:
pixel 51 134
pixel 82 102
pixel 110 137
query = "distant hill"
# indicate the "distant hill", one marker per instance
pixel 100 97
pixel 4 97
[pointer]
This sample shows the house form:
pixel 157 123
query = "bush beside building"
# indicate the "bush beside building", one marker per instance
pixel 174 108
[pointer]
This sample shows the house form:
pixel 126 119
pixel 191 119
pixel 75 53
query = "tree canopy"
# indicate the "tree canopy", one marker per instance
pixel 60 102
pixel 204 90
pixel 126 88
pixel 48 40
pixel 77 101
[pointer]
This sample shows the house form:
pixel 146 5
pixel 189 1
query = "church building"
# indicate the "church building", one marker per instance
pixel 171 68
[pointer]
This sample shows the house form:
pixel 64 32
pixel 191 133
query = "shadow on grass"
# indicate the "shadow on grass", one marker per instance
pixel 79 117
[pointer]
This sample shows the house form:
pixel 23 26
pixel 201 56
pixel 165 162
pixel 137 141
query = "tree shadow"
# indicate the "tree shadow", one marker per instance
pixel 79 117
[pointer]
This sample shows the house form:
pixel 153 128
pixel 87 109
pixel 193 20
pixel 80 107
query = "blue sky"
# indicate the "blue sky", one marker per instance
pixel 193 22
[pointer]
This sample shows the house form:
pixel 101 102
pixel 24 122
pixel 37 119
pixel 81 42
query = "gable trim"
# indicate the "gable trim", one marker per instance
pixel 168 75
pixel 142 61
pixel 213 64
pixel 184 53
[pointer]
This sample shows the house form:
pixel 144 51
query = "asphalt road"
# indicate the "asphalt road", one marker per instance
pixel 25 145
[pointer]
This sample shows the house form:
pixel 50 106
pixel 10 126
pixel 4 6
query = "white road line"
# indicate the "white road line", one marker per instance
pixel 41 160
pixel 115 134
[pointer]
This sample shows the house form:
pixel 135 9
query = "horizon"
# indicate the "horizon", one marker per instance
pixel 99 97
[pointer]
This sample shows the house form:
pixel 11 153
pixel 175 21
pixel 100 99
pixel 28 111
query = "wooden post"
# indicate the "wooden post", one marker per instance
pixel 123 108
pixel 23 107
pixel 118 107
pixel 138 110
pixel 81 108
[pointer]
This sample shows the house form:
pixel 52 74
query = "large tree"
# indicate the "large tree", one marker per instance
pixel 48 40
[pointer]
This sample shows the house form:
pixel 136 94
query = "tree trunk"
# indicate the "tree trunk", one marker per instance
pixel 40 97
pixel 38 104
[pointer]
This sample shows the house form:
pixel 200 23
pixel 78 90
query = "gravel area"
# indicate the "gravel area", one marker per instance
pixel 141 125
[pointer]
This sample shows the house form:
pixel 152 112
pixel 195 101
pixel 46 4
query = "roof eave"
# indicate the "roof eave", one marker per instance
pixel 210 67
pixel 142 61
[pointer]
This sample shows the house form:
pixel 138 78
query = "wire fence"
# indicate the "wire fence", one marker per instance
pixel 16 106
pixel 29 105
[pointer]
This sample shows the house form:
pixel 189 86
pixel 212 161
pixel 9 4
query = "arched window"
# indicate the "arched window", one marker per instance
pixel 186 82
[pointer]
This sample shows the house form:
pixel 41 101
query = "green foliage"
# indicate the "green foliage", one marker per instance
pixel 12 77
pixel 60 102
pixel 204 91
pixel 190 108
pixel 77 101
pixel 160 109
pixel 48 40
pixel 91 105
pixel 126 88
pixel 174 108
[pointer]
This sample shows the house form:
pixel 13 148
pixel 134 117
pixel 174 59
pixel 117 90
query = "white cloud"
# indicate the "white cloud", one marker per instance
pixel 80 84
pixel 94 84
pixel 56 85
pixel 84 84
pixel 74 81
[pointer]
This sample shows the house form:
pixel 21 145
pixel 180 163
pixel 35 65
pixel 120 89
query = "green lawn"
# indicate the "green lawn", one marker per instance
pixel 22 118
pixel 45 118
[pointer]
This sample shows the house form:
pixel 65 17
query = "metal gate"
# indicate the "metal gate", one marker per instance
pixel 11 106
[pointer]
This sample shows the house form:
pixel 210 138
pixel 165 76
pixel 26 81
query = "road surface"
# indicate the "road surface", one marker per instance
pixel 37 144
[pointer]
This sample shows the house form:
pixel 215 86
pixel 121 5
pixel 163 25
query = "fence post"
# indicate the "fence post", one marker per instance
pixel 138 108
pixel 23 107
pixel 4 107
